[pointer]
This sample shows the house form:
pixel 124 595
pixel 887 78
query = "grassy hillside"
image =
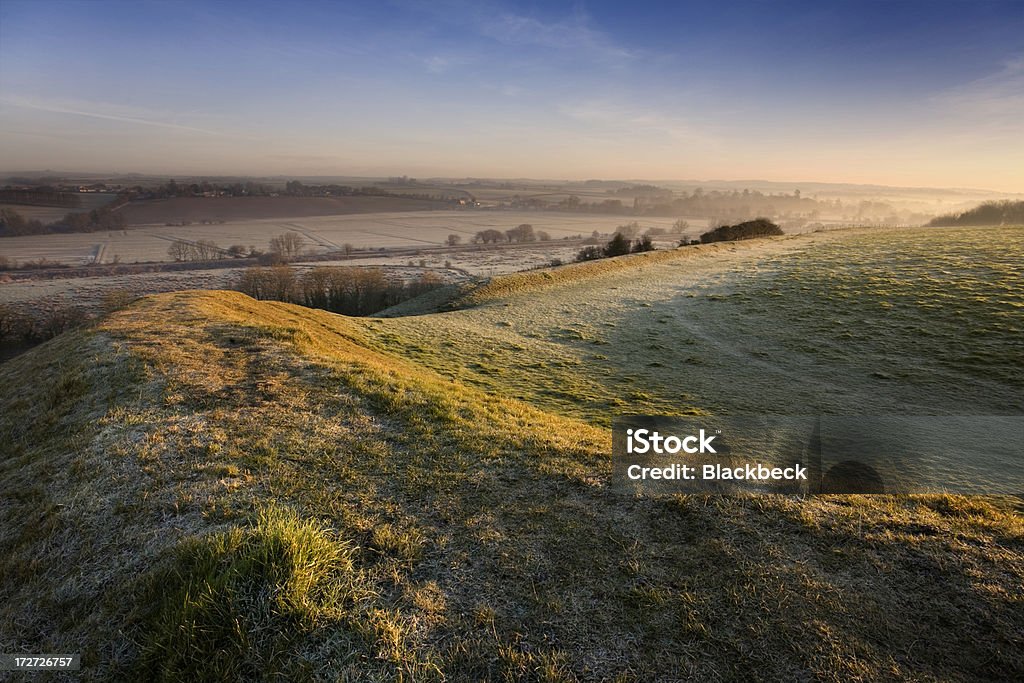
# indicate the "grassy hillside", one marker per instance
pixel 870 322
pixel 206 486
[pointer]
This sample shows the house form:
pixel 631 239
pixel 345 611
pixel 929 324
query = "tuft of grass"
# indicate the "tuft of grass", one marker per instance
pixel 404 545
pixel 232 605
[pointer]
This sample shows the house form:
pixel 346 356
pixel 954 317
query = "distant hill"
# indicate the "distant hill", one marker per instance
pixel 990 213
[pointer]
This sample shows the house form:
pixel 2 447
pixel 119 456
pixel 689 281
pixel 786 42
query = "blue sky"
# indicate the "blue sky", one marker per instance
pixel 905 93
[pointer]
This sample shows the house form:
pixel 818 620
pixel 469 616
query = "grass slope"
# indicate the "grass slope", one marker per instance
pixel 912 322
pixel 502 287
pixel 209 487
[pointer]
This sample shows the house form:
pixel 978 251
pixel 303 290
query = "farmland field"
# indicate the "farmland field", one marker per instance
pixel 198 209
pixel 322 233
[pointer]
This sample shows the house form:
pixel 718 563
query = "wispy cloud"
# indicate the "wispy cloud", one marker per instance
pixel 997 98
pixel 104 111
pixel 631 120
pixel 572 34
pixel 442 63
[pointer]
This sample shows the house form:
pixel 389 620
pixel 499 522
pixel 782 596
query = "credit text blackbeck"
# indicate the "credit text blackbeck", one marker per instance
pixel 643 441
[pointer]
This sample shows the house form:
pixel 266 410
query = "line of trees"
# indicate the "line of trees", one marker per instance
pixel 283 248
pixel 200 250
pixel 295 188
pixel 1005 212
pixel 346 290
pixel 13 223
pixel 42 195
pixel 173 188
pixel 523 232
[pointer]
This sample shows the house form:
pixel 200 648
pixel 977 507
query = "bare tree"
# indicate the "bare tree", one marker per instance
pixel 489 236
pixel 276 283
pixel 179 250
pixel 521 233
pixel 206 250
pixel 288 245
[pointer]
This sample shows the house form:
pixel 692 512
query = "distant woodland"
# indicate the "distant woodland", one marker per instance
pixel 735 205
pixel 13 223
pixel 1005 212
pixel 41 195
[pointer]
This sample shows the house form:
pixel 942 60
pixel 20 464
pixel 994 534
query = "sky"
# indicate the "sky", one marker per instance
pixel 924 94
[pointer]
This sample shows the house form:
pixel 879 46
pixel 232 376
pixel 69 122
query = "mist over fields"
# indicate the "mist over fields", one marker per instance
pixel 327 331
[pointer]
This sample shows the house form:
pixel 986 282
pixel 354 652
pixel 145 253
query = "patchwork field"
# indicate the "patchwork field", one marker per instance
pixel 207 485
pixel 198 209
pixel 322 233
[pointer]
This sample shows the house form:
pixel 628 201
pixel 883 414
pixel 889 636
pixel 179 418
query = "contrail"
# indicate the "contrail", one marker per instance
pixel 107 117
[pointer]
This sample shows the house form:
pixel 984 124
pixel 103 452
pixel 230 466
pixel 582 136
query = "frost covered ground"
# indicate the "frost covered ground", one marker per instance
pixel 875 322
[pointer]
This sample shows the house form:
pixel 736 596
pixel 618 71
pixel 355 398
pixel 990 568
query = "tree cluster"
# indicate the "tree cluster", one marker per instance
pixel 618 245
pixel 19 330
pixel 296 188
pixel 489 236
pixel 523 232
pixel 760 227
pixel 173 188
pixel 288 245
pixel 200 250
pixel 345 290
pixel 40 195
pixel 1005 212
pixel 13 223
